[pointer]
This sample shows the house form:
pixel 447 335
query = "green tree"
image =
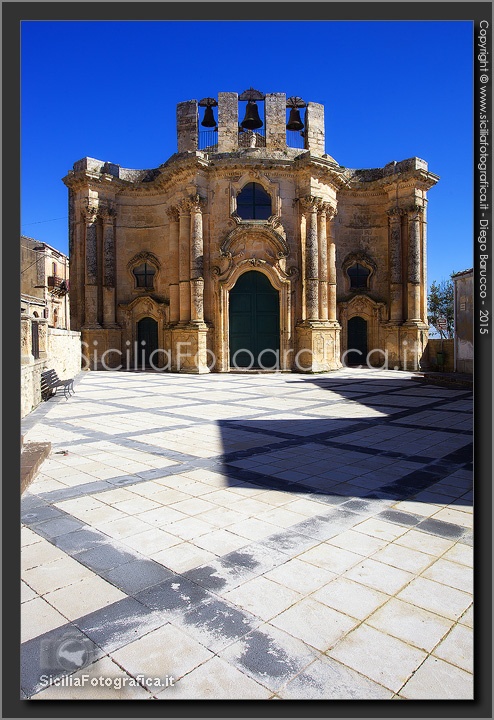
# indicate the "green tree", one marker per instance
pixel 441 304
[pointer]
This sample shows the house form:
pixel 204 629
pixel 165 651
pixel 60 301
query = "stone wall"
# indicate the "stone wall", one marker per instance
pixel 62 354
pixel 434 347
pixel 31 385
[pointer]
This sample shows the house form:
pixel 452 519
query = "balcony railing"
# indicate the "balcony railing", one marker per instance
pixel 295 139
pixel 54 281
pixel 208 140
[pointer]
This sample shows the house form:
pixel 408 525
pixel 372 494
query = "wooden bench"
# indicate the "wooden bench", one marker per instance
pixel 50 383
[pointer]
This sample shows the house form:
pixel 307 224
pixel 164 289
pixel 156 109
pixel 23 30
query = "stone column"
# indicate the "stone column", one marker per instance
pixel 275 120
pixel 395 265
pixel 196 261
pixel 184 261
pixel 109 260
pixel 187 126
pixel 310 207
pixel 323 263
pixel 314 128
pixel 26 340
pixel 332 315
pixel 414 263
pixel 173 255
pixel 227 122
pixel 90 215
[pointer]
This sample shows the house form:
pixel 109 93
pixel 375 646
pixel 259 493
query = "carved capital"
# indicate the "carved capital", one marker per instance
pixel 173 213
pixel 310 203
pixel 107 212
pixel 193 203
pixel 415 211
pixel 395 213
pixel 89 211
pixel 329 210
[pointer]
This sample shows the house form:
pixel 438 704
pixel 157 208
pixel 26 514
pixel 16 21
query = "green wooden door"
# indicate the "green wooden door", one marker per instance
pixel 357 341
pixel 254 322
pixel 147 341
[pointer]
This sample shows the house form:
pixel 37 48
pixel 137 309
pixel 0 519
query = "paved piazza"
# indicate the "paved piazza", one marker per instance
pixel 250 536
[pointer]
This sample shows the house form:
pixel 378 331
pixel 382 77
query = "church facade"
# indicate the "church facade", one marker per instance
pixel 250 247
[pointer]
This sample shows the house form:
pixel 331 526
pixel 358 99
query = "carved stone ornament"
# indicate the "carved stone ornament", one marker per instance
pixel 143 257
pixel 361 258
pixel 89 210
pixel 396 212
pixel 107 211
pixel 193 203
pixel 310 203
pixel 173 213
pixel 415 210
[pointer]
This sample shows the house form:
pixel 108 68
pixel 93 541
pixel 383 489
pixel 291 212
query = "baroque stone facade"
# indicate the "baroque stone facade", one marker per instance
pixel 156 255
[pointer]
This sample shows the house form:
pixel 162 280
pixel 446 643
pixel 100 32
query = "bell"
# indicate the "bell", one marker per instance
pixel 251 121
pixel 294 121
pixel 208 120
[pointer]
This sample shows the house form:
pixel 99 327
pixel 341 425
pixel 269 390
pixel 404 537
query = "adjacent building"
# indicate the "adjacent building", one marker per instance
pixel 463 339
pixel 250 247
pixel 45 283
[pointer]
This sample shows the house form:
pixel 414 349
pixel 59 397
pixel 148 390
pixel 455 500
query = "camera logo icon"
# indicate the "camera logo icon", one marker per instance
pixel 66 654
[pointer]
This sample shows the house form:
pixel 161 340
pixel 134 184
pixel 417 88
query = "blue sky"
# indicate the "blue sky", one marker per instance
pixel 109 90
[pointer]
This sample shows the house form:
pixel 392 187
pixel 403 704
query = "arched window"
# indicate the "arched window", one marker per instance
pixel 144 275
pixel 359 276
pixel 253 203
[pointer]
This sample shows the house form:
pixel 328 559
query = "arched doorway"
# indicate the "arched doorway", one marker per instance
pixel 147 341
pixel 357 341
pixel 254 322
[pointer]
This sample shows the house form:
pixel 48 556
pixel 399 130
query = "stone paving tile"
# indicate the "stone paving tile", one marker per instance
pixel 54 575
pixel 39 553
pixel 155 654
pixel 451 574
pixel 183 557
pixel 380 657
pixel 119 623
pixel 438 680
pixel 404 558
pixel 350 597
pixel 88 595
pixel 300 576
pixel 269 656
pixel 413 625
pixel 136 575
pixel 457 648
pixel 423 542
pixel 37 617
pixel 315 623
pixel 215 680
pixel 326 679
pixel 215 623
pixel 379 576
pixel 330 558
pixel 437 598
pixel 261 597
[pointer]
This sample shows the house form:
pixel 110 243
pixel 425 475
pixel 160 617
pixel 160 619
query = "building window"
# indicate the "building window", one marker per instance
pixel 359 276
pixel 254 203
pixel 144 275
pixel 54 269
